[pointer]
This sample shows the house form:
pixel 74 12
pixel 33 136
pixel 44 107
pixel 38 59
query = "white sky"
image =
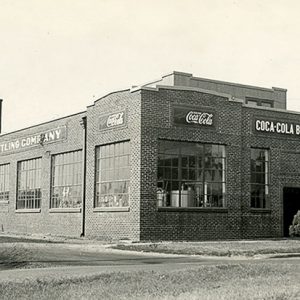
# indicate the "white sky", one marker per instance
pixel 58 56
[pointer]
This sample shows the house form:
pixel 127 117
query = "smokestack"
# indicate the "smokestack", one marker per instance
pixel 0 114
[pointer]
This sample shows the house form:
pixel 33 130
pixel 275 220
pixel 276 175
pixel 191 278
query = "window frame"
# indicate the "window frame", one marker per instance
pixel 97 174
pixel 266 185
pixel 39 199
pixel 52 180
pixel 5 194
pixel 260 102
pixel 203 183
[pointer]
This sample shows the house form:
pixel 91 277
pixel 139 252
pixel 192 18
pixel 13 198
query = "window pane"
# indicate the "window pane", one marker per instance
pixel 208 162
pixel 266 104
pixel 66 183
pixel 4 182
pixel 184 161
pixel 175 162
pixel 184 174
pixel 192 174
pixel 29 184
pixel 174 173
pixel 259 178
pixel 208 175
pixel 252 103
pixel 195 166
pixel 215 151
pixel 113 174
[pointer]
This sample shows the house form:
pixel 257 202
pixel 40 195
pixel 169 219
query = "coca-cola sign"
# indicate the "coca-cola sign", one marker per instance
pixel 196 116
pixel 201 118
pixel 112 120
pixel 34 140
pixel 275 126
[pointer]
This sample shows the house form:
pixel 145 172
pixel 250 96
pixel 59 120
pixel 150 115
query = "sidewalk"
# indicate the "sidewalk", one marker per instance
pixel 36 238
pixel 246 248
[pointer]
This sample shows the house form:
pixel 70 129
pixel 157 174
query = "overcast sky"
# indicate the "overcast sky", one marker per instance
pixel 58 56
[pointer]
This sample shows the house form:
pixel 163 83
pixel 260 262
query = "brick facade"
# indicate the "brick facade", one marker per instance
pixel 114 224
pixel 186 223
pixel 149 119
pixel 43 221
pixel 235 131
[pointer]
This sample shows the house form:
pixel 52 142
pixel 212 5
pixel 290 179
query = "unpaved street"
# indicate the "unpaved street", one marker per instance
pixel 30 254
pixel 16 254
pixel 83 269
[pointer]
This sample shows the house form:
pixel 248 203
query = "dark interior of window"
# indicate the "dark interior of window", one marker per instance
pixel 190 174
pixel 259 178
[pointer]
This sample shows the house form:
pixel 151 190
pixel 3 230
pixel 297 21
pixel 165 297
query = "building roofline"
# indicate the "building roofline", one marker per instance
pixel 214 81
pixel 181 88
pixel 40 124
pixel 240 84
pixel 118 91
pixel 228 96
pixel 272 109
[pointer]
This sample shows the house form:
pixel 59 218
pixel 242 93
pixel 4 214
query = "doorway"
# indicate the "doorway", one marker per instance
pixel 291 204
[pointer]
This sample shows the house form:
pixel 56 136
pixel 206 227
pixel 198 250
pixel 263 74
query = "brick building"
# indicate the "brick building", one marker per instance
pixel 180 158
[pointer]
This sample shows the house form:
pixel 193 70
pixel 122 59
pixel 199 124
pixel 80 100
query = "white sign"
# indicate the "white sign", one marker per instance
pixel 113 120
pixel 200 118
pixel 194 116
pixel 34 140
pixel 287 128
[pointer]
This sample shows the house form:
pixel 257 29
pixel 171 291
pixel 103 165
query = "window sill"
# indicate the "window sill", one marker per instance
pixel 25 211
pixel 260 210
pixel 197 209
pixel 111 209
pixel 4 202
pixel 65 210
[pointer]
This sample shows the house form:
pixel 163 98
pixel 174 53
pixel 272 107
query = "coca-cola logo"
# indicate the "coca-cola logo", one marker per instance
pixel 201 118
pixel 115 119
pixel 194 116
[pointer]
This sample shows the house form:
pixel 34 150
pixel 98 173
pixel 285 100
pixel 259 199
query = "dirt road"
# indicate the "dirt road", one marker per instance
pixel 31 254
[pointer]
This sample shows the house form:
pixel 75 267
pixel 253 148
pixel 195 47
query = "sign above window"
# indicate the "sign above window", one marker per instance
pixel 262 125
pixel 113 120
pixel 194 116
pixel 41 138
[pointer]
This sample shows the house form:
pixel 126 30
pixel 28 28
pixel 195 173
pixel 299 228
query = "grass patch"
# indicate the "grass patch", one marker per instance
pixel 223 249
pixel 9 239
pixel 232 281
pixel 23 256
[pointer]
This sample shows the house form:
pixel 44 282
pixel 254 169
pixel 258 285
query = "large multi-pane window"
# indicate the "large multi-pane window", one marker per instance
pixel 113 175
pixel 260 165
pixel 66 183
pixel 191 174
pixel 29 184
pixel 4 182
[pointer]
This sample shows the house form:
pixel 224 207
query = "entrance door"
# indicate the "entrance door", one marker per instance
pixel 291 204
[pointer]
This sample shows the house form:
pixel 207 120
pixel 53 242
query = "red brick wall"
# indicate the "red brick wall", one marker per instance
pixel 149 119
pixel 43 222
pixel 186 224
pixel 114 224
pixel 234 129
pixel 284 171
